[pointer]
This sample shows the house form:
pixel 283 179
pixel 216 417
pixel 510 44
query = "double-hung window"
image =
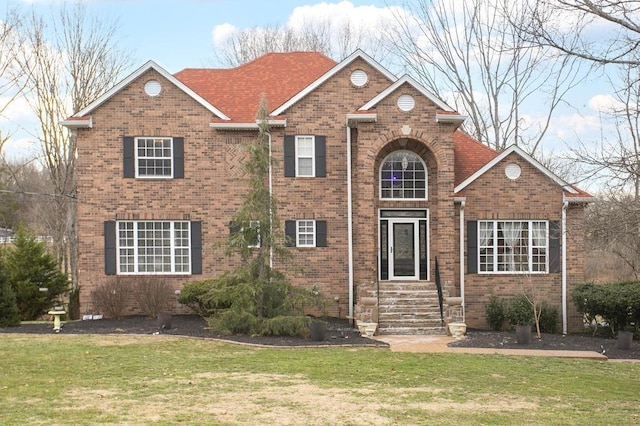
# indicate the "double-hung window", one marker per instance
pixel 154 157
pixel 513 246
pixel 306 233
pixel 153 247
pixel 305 156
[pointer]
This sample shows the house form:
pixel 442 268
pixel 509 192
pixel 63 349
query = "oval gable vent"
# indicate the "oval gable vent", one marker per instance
pixel 359 78
pixel 152 88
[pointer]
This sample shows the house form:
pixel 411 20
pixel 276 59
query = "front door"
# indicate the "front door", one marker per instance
pixel 403 249
pixel 403 245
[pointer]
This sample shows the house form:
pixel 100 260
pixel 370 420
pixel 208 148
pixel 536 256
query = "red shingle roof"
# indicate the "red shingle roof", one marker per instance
pixel 236 91
pixel 471 155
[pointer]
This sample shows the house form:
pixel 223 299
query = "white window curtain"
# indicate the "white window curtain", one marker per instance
pixel 486 233
pixel 511 231
pixel 539 234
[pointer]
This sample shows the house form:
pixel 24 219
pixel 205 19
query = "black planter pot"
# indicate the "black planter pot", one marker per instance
pixel 523 334
pixel 164 320
pixel 317 329
pixel 625 338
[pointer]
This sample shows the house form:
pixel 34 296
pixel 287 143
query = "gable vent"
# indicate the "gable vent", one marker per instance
pixel 359 78
pixel 152 88
pixel 406 103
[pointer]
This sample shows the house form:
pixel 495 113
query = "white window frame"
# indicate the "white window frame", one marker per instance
pixel 312 139
pixel 255 224
pixel 496 252
pixel 426 179
pixel 139 157
pixel 131 254
pixel 305 223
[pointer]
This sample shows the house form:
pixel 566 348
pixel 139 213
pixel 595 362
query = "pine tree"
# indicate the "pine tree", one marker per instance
pixel 9 316
pixel 30 269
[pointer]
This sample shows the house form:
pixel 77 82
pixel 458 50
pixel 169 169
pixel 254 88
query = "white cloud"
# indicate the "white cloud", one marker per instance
pixel 20 148
pixel 605 103
pixel 222 32
pixel 17 111
pixel 338 14
pixel 572 126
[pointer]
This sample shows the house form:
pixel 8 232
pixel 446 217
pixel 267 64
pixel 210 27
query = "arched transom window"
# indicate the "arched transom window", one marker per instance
pixel 403 176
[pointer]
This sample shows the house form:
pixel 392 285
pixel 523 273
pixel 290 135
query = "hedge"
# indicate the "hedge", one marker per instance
pixel 618 304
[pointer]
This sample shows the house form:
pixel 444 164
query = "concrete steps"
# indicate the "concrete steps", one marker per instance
pixel 408 308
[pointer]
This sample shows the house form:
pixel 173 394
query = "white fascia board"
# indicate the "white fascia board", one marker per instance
pixel 333 71
pixel 86 123
pixel 578 200
pixel 367 118
pixel 247 126
pixel 459 199
pixel 137 73
pixel 527 157
pixel 450 118
pixel 410 80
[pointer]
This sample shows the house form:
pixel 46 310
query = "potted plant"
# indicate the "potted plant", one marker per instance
pixel 520 314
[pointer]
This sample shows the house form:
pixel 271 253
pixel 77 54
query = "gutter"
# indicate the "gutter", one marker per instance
pixel 349 219
pixel 462 201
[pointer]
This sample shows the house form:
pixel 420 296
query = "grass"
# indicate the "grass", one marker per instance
pixel 73 379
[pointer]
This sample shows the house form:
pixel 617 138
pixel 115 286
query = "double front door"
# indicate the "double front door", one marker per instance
pixel 403 245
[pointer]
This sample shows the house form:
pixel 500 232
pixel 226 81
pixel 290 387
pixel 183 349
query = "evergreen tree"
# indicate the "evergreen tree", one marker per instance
pixel 29 269
pixel 9 315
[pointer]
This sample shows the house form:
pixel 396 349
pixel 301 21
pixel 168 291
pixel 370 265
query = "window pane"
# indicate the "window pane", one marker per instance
pixel 403 171
pixel 155 157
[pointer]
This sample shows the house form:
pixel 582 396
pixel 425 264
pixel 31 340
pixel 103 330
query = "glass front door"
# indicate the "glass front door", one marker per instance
pixel 403 249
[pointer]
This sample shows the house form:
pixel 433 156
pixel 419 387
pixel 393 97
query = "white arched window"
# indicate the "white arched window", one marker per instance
pixel 403 176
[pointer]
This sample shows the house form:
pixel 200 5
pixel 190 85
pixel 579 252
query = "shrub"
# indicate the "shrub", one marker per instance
pixel 111 297
pixel 520 311
pixel 9 315
pixel 30 268
pixel 495 312
pixel 152 294
pixel 617 304
pixel 286 325
pixel 548 318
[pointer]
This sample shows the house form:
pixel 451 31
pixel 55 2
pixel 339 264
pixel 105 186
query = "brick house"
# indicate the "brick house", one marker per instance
pixel 375 184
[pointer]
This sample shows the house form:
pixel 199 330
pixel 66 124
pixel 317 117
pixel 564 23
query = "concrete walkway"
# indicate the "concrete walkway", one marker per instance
pixel 438 344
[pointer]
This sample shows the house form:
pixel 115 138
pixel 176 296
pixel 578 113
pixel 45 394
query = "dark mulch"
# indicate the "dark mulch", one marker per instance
pixel 338 332
pixel 570 342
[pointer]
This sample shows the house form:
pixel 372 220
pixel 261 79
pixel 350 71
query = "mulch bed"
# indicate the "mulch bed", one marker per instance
pixel 570 342
pixel 338 333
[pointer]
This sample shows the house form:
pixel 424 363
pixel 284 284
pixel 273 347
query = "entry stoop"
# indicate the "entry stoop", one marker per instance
pixel 409 308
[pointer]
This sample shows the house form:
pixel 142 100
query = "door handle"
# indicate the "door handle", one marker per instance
pixel 391 249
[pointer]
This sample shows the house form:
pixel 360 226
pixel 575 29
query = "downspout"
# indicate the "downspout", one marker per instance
pixel 270 204
pixel 462 203
pixel 349 220
pixel 565 205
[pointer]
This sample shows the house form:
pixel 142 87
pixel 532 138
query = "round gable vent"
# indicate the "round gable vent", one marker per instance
pixel 406 103
pixel 359 78
pixel 152 88
pixel 513 171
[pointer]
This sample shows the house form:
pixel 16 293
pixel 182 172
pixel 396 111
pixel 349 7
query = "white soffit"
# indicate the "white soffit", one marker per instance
pixel 527 157
pixel 137 73
pixel 333 71
pixel 410 80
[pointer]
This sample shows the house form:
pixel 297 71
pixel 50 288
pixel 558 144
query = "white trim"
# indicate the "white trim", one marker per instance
pixel 578 200
pixel 313 233
pixel 369 117
pixel 565 205
pixel 515 149
pixel 462 201
pixel 247 126
pixel 298 157
pixel 136 157
pixel 84 123
pixel 137 73
pixel 358 54
pixel 350 219
pixel 450 118
pixel 426 178
pixel 413 82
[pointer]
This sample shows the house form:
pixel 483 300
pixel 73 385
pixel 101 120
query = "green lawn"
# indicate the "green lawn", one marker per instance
pixel 72 379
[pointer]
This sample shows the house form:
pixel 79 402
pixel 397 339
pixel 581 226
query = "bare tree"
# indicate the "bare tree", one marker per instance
pixel 335 40
pixel 66 65
pixel 469 53
pixel 599 31
pixel 10 78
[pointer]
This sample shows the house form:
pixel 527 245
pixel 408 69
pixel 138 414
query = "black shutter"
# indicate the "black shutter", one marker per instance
pixel 321 233
pixel 234 228
pixel 321 156
pixel 289 156
pixel 196 248
pixel 472 247
pixel 128 157
pixel 290 233
pixel 422 240
pixel 178 158
pixel 555 233
pixel 110 247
